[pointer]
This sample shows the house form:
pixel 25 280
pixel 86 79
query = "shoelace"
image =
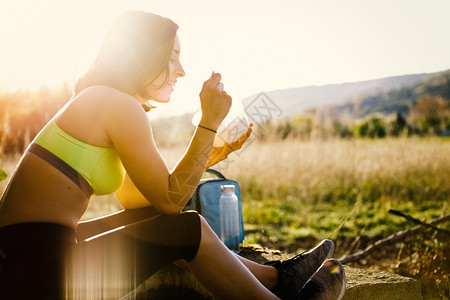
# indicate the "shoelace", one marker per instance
pixel 283 266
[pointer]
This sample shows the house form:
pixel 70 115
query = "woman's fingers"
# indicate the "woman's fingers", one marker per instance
pixel 207 81
pixel 212 81
pixel 218 154
pixel 248 133
pixel 249 130
pixel 215 79
pixel 215 83
pixel 236 145
pixel 215 102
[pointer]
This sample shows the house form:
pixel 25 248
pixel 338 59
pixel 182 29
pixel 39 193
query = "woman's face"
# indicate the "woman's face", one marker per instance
pixel 162 94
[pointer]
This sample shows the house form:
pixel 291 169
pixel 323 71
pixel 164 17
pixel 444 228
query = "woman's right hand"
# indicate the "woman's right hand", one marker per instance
pixel 215 102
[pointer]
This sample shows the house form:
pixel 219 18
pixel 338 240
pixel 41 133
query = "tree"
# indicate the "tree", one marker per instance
pixel 301 126
pixel 430 114
pixel 398 125
pixel 372 126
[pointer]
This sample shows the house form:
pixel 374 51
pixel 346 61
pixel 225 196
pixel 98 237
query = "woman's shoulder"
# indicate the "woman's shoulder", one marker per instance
pixel 109 98
pixel 104 92
pixel 104 106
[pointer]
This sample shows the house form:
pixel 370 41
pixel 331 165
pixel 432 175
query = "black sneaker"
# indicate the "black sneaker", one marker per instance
pixel 328 283
pixel 295 272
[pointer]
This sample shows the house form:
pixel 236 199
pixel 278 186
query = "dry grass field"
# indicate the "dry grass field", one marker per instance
pixel 297 192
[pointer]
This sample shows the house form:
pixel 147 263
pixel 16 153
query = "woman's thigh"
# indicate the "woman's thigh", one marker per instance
pixel 34 260
pixel 113 263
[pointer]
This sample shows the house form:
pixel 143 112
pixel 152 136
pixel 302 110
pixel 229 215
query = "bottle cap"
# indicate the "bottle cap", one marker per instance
pixel 227 188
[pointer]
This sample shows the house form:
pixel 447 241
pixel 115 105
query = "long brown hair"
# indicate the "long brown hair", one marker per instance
pixel 135 51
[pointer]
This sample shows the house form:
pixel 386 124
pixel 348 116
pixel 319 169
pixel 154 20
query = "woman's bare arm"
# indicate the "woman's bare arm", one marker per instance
pixel 129 130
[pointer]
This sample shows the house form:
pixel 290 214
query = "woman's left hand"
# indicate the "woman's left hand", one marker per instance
pixel 220 153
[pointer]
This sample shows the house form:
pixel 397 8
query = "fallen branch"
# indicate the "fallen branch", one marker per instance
pixel 390 239
pixel 417 221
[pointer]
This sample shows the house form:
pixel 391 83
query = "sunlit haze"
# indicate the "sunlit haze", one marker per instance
pixel 255 45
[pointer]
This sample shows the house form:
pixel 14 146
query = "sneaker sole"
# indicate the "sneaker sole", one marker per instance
pixel 341 294
pixel 331 252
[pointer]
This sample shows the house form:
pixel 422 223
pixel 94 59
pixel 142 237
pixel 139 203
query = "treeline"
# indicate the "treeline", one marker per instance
pixel 23 114
pixel 429 116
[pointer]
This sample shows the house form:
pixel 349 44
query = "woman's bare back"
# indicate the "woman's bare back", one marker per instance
pixel 40 193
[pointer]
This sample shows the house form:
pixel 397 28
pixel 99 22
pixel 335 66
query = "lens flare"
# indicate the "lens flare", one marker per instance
pixel 334 269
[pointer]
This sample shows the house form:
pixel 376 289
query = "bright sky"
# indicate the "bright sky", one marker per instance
pixel 257 45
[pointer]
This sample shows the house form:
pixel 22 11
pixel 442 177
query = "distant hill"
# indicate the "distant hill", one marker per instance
pixel 372 95
pixel 385 95
pixel 399 99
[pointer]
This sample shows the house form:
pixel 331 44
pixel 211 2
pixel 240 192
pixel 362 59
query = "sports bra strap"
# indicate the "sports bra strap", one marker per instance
pixel 62 166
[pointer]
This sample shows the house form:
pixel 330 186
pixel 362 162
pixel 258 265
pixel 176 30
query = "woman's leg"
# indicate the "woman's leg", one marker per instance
pixel 267 275
pixel 34 260
pixel 113 263
pixel 223 273
pixel 217 268
pixel 90 228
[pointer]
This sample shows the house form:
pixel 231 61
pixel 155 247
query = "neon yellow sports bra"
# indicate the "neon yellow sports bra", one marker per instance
pixel 100 166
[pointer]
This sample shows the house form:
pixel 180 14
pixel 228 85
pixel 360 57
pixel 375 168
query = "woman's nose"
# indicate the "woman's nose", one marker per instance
pixel 180 71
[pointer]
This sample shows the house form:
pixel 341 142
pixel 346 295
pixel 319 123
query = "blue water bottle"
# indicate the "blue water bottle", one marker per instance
pixel 229 218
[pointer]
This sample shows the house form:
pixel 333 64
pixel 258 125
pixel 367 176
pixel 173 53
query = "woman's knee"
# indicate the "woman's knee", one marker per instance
pixel 205 229
pixel 190 217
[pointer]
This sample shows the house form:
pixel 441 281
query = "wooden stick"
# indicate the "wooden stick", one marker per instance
pixel 390 239
pixel 417 221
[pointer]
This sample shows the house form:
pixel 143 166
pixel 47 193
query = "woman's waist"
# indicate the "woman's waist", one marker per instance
pixel 45 212
pixel 43 196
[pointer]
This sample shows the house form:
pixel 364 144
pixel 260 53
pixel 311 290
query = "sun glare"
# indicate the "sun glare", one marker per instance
pixel 261 46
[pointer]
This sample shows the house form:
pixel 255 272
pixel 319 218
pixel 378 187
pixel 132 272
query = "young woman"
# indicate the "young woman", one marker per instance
pixel 101 142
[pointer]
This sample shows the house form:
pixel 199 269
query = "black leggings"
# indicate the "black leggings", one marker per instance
pixel 43 261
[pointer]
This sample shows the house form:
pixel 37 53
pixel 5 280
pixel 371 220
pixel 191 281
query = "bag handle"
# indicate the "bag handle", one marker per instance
pixel 216 173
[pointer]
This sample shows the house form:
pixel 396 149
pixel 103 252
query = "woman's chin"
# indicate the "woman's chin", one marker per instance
pixel 161 100
pixel 163 96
